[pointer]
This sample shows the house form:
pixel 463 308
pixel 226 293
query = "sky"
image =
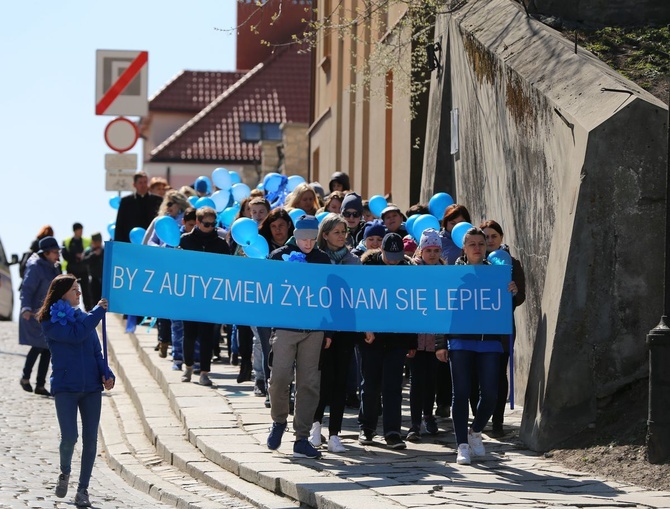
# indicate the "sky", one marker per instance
pixel 51 142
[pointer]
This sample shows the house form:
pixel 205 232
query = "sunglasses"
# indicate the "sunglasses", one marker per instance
pixel 208 224
pixel 354 213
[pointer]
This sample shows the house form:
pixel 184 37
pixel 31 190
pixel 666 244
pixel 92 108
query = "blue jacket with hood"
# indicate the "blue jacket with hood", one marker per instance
pixel 76 356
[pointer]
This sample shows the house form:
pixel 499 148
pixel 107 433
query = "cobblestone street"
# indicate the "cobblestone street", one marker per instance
pixel 30 437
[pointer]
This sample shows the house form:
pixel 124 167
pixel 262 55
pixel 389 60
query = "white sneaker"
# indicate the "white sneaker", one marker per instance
pixel 463 457
pixel 315 434
pixel 476 444
pixel 335 445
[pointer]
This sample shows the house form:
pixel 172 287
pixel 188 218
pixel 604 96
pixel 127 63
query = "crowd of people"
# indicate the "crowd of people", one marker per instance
pixel 298 371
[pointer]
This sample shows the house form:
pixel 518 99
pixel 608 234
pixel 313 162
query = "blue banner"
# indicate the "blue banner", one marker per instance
pixel 190 285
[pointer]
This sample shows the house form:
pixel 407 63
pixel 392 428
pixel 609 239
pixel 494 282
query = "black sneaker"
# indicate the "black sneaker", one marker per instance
pixel 414 434
pixel 497 431
pixel 81 499
pixel 395 442
pixel 62 485
pixel 431 425
pixel 366 437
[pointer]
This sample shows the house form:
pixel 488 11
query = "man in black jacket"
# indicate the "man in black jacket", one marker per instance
pixel 205 238
pixel 137 209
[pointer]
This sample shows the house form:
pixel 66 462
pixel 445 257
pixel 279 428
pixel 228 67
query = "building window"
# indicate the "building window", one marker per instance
pixel 256 131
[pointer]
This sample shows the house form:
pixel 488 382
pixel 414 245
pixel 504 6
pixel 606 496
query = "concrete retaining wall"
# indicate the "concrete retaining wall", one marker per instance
pixel 570 158
pixel 604 12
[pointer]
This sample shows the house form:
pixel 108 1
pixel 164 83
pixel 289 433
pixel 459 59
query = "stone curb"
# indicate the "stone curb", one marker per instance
pixel 162 430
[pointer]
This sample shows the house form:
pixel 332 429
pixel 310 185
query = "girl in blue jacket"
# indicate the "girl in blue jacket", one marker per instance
pixel 79 374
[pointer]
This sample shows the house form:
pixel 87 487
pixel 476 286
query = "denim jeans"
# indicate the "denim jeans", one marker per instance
pixel 177 340
pixel 463 364
pixel 382 375
pixel 89 404
pixel 263 334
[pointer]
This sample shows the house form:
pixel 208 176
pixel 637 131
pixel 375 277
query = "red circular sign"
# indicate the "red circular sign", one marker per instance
pixel 121 134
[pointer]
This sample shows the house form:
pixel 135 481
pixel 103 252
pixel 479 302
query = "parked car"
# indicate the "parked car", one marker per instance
pixel 6 290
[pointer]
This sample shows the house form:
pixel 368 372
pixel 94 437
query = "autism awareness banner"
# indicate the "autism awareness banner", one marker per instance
pixel 190 285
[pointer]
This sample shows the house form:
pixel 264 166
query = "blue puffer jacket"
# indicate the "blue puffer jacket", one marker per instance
pixel 76 356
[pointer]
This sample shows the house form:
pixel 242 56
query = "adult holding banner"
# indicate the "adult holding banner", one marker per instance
pixel 79 375
pixel 453 215
pixel 299 347
pixel 335 359
pixel 494 241
pixel 203 238
pixel 468 354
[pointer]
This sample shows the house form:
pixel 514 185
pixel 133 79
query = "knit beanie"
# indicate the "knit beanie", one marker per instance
pixel 430 238
pixel 306 227
pixel 374 228
pixel 352 201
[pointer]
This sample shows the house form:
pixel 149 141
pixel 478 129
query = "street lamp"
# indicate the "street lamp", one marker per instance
pixel 658 341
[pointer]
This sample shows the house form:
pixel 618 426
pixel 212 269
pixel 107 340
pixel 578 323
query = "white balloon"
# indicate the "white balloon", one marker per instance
pixel 221 199
pixel 240 192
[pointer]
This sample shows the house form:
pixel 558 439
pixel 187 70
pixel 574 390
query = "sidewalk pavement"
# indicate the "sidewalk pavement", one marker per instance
pixel 218 436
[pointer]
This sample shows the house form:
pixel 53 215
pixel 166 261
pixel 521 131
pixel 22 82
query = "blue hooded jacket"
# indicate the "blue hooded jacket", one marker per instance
pixel 76 355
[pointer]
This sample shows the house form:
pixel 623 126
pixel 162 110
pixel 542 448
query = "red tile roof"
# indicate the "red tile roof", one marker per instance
pixel 191 91
pixel 275 91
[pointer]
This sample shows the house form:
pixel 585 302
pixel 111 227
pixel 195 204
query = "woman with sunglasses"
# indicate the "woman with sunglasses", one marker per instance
pixel 204 238
pixel 174 204
pixel 470 354
pixel 352 212
pixel 79 375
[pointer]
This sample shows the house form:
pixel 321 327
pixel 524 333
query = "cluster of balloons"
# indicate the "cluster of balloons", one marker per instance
pixel 245 232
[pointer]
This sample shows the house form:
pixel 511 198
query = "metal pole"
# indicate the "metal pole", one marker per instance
pixel 658 341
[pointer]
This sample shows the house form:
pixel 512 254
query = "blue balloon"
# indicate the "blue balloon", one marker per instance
pixel 192 200
pixel 320 216
pixel 115 202
pixel 244 231
pixel 295 214
pixel 205 202
pixel 272 182
pixel 221 179
pixel 228 215
pixel 168 231
pixel 220 199
pixel 409 225
pixel 111 227
pixel 240 192
pixel 439 203
pixel 137 235
pixel 499 257
pixel 424 222
pixel 234 177
pixel 293 182
pixel 258 249
pixel 260 186
pixel 458 233
pixel 377 204
pixel 205 188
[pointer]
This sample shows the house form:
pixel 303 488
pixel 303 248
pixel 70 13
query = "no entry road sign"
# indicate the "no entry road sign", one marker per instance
pixel 121 83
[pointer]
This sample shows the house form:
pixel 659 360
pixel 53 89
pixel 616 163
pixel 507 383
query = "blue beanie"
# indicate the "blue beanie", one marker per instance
pixel 375 228
pixel 306 227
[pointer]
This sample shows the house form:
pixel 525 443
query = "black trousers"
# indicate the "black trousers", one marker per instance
pixel 42 367
pixel 204 332
pixel 334 370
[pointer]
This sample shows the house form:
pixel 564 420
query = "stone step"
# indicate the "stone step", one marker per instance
pixel 147 444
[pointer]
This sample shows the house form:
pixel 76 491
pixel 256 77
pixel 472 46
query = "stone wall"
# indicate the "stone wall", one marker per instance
pixel 570 158
pixel 604 12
